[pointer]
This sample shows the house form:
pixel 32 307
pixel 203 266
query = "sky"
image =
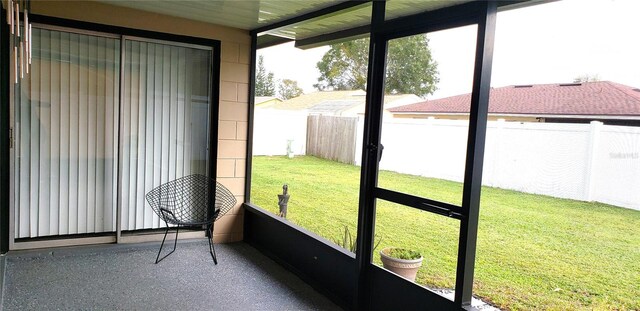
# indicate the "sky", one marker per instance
pixel 549 43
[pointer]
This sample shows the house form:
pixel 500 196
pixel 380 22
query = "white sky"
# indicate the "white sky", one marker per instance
pixel 549 43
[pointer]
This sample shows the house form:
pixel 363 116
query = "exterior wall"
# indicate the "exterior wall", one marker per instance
pixel 234 86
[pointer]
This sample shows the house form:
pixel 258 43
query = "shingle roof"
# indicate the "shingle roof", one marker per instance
pixel 589 98
pixel 310 100
pixel 333 106
pixel 306 101
pixel 261 99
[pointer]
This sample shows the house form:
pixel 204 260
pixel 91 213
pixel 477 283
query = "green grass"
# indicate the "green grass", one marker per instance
pixel 534 252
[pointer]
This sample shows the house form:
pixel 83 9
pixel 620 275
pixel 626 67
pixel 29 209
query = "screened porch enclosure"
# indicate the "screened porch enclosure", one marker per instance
pixel 100 120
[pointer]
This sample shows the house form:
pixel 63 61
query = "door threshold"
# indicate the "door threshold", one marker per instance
pixel 25 245
pixel 125 238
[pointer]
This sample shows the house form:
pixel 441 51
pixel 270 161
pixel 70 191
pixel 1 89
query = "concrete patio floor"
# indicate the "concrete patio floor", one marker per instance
pixel 124 277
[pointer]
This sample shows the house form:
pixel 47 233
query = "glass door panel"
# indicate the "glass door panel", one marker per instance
pixel 66 131
pixel 164 122
pixel 426 117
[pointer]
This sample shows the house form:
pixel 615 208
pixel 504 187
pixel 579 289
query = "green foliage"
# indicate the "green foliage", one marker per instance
pixel 344 66
pixel 265 84
pixel 349 243
pixel 410 67
pixel 289 89
pixel 533 252
pixel 402 253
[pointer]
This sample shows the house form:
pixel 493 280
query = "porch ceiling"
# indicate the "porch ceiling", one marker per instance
pixel 245 14
pixel 254 14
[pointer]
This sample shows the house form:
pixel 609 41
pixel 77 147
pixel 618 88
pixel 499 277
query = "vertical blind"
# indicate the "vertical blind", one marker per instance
pixel 165 113
pixel 66 122
pixel 87 126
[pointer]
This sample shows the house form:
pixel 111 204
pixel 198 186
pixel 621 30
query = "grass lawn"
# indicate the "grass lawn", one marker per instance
pixel 534 252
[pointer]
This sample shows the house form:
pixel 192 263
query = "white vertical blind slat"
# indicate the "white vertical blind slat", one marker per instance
pixel 188 112
pixel 157 120
pixel 44 141
pixel 151 220
pixel 83 124
pixel 74 131
pixel 126 129
pixel 23 113
pixel 112 70
pixel 91 133
pixel 132 139
pixel 100 136
pixel 166 111
pixel 54 129
pixel 173 108
pixel 65 133
pixel 181 72
pixel 141 71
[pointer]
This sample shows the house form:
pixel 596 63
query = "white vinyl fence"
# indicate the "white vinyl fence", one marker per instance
pixel 588 162
pixel 274 130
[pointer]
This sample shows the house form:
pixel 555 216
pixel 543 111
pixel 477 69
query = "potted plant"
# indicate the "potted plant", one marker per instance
pixel 404 262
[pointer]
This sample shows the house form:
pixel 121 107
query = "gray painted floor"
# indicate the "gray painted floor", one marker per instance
pixel 124 277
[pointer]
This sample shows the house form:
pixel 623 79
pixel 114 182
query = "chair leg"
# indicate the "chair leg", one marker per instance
pixel 175 243
pixel 212 249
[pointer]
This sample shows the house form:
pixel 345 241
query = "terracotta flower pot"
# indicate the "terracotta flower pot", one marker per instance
pixel 405 268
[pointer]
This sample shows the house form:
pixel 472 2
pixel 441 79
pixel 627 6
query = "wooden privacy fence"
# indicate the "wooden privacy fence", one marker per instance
pixel 332 138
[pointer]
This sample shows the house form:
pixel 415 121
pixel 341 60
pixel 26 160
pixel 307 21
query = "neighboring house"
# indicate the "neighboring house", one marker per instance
pixel 609 102
pixel 341 103
pixel 306 101
pixel 266 101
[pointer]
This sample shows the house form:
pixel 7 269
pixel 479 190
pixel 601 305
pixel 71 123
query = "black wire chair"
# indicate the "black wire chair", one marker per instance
pixel 186 202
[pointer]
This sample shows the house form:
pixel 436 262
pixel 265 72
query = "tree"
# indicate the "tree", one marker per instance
pixel 265 85
pixel 344 66
pixel 289 89
pixel 410 67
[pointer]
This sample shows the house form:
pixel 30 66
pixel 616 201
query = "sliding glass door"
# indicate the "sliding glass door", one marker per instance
pixel 99 121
